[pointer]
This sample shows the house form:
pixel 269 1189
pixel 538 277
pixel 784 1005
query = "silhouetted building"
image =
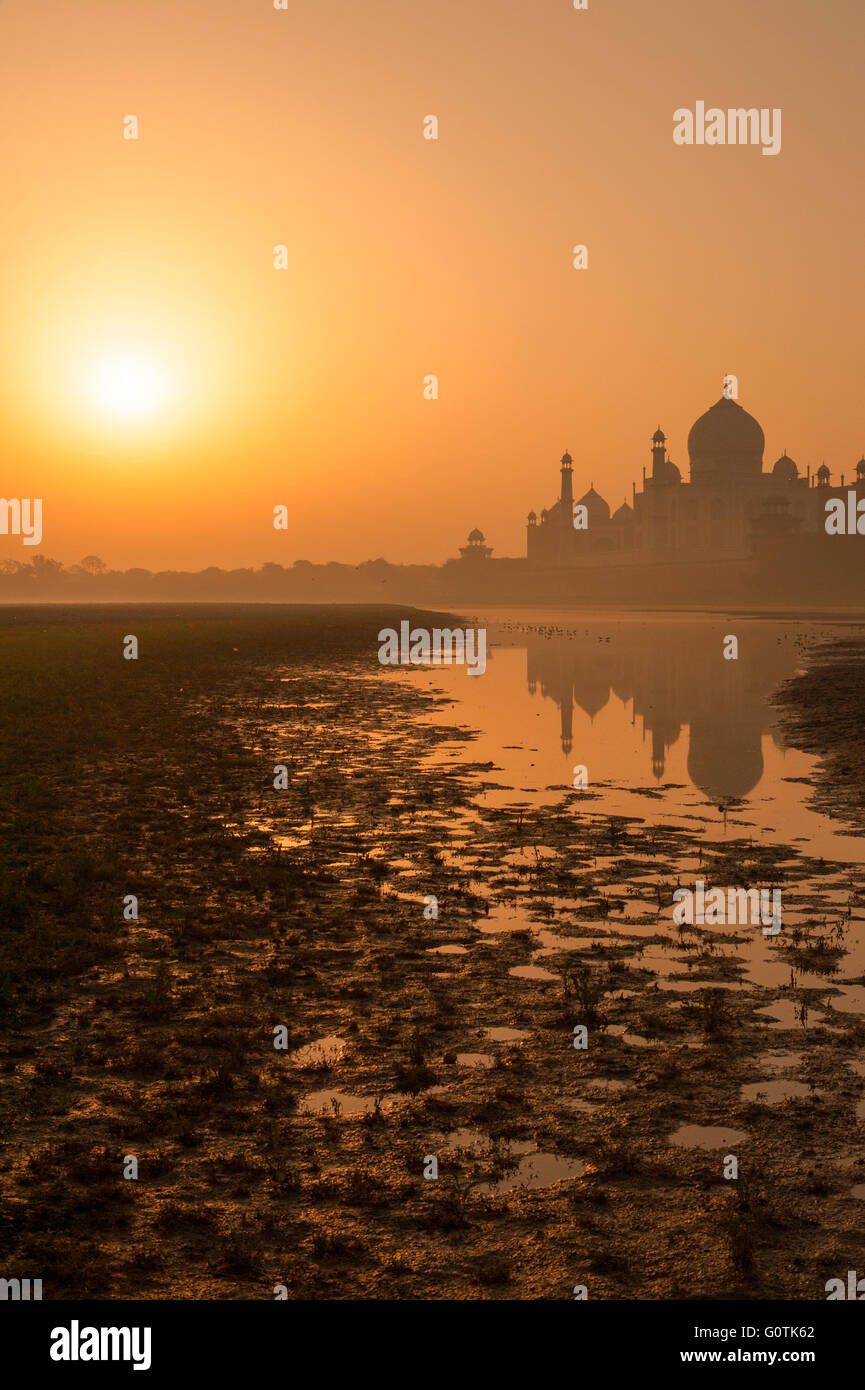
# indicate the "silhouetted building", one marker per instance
pixel 475 549
pixel 727 509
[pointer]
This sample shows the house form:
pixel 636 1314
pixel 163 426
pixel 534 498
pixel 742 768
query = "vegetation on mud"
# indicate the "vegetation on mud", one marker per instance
pixel 304 909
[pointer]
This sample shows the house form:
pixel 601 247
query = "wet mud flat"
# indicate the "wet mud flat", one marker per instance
pixel 823 712
pixel 412 1031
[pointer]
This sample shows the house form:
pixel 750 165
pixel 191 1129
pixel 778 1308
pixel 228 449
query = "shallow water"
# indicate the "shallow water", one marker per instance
pixel 666 728
pixel 673 736
pixel 475 1059
pixel 321 1053
pixel 775 1092
pixel 337 1103
pixel 684 750
pixel 536 1170
pixel 706 1137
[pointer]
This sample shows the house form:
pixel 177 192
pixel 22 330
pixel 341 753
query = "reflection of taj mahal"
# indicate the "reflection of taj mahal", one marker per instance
pixel 674 677
pixel 729 504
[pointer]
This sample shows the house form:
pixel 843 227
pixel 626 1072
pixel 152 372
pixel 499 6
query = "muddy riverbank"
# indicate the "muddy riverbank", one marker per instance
pixel 824 713
pixel 329 986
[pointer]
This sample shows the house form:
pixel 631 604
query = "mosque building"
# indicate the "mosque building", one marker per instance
pixel 722 513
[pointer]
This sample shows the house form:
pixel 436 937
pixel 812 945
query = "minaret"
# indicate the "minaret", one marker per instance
pixel 567 712
pixel 659 453
pixel 567 483
pixel 658 754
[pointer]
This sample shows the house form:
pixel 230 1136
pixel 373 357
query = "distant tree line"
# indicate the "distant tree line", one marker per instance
pixel 42 579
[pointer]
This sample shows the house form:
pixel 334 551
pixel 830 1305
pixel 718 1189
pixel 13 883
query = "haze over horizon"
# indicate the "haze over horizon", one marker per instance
pixel 163 387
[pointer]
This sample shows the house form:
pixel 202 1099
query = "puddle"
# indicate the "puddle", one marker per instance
pixel 475 1059
pixel 469 1139
pixel 536 1170
pixel 529 857
pixel 342 1103
pixel 706 1137
pixel 777 1062
pixel 532 972
pixel 503 918
pixel 851 1000
pixel 533 1169
pixel 774 1092
pixel 619 1030
pixel 680 985
pixel 551 942
pixel 786 1014
pixel 322 1053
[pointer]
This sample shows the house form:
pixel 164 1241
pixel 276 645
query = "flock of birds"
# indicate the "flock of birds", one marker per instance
pixel 548 630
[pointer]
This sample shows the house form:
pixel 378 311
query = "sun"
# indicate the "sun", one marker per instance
pixel 128 387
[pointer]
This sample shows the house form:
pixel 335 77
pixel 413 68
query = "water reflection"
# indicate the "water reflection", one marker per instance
pixel 666 727
pixel 673 675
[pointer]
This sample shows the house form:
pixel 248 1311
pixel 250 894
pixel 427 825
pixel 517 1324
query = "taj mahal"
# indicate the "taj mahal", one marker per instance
pixel 728 506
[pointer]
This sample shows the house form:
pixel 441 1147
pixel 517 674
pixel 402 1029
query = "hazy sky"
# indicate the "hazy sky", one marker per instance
pixel 138 276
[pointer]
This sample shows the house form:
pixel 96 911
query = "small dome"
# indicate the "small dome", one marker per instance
pixel 860 468
pixel 659 437
pixel 675 474
pixel 624 513
pixel 785 468
pixel 823 472
pixel 566 459
pixel 595 505
pixel 476 536
pixel 533 518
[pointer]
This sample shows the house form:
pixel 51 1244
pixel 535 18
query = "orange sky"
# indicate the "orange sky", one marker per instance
pixel 408 257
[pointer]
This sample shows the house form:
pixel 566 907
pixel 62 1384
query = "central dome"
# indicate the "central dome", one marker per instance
pixel 725 443
pixel 596 508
